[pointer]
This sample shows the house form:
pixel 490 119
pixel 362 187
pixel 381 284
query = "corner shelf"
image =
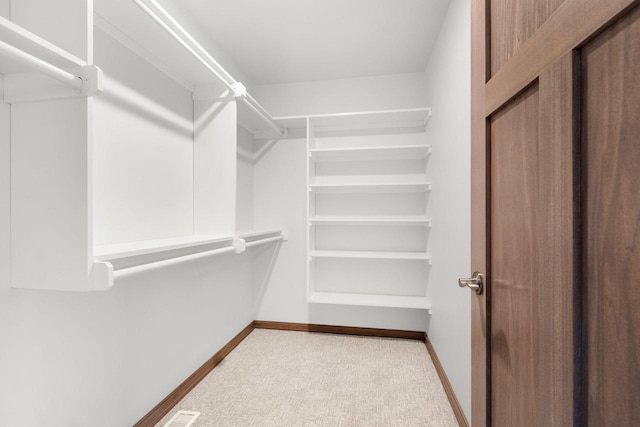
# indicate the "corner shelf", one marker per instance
pixel 390 152
pixel 394 187
pixel 371 220
pixel 420 256
pixel 34 45
pixel 370 300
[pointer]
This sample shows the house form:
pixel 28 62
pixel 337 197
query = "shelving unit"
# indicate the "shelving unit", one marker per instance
pixel 373 158
pixel 60 217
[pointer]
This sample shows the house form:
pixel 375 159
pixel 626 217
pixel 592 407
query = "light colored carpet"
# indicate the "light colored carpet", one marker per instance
pixel 282 378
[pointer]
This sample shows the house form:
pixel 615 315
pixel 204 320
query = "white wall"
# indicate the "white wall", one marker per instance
pixel 104 359
pixel 143 150
pixel 448 83
pixel 280 201
pixel 244 177
pixel 5 8
pixel 336 96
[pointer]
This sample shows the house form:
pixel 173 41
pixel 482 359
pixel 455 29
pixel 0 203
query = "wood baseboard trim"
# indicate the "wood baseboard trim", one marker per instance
pixel 163 408
pixel 342 330
pixel 451 395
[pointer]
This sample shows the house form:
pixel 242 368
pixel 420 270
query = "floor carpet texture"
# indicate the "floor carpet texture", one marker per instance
pixel 283 378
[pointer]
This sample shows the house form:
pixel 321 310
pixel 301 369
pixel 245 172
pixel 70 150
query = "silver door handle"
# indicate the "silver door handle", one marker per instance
pixel 474 283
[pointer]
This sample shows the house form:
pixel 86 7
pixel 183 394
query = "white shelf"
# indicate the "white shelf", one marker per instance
pixel 421 256
pixel 254 234
pixel 132 249
pixel 370 300
pixel 371 220
pixel 399 152
pixel 394 187
pixel 34 45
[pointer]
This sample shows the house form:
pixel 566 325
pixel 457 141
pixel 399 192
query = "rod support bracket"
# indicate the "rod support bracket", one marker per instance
pixel 240 245
pixel 36 87
pixel 92 80
pixel 239 90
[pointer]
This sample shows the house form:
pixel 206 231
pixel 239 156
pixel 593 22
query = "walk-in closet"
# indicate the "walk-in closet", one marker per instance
pixel 182 180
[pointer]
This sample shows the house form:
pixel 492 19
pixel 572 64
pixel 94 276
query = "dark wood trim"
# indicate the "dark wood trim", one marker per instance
pixel 453 400
pixel 480 217
pixel 570 26
pixel 163 408
pixel 342 330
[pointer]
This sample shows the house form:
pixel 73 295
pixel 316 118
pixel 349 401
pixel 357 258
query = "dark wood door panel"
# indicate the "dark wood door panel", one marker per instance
pixel 611 135
pixel 512 23
pixel 513 139
pixel 532 254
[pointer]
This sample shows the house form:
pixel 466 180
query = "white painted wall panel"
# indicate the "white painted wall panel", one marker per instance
pixel 448 81
pixel 244 175
pixel 50 212
pixel 143 150
pixel 280 201
pixel 5 191
pixel 5 8
pixel 215 158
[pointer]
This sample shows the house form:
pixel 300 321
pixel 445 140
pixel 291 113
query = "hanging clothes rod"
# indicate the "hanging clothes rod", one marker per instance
pixel 44 67
pixel 237 247
pixel 175 30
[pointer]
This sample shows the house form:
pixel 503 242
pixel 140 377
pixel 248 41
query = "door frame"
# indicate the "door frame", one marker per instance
pixel 572 25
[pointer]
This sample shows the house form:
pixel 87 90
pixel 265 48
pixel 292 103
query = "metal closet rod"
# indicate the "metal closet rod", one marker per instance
pixel 238 246
pixel 200 53
pixel 44 67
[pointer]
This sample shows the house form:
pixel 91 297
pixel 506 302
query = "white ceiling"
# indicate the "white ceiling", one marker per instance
pixel 282 41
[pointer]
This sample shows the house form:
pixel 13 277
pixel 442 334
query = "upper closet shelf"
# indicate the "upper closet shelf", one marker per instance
pixel 395 187
pixel 149 30
pixel 399 152
pixel 25 41
pixel 361 120
pixel 146 247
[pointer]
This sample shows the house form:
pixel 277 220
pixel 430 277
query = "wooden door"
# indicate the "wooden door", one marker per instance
pixel 556 212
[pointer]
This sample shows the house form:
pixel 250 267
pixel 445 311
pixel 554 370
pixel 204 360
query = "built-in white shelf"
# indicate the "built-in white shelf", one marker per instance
pixel 145 247
pixel 392 187
pixel 255 234
pixel 370 300
pixel 399 152
pixel 370 255
pixel 371 220
pixel 361 120
pixel 34 45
